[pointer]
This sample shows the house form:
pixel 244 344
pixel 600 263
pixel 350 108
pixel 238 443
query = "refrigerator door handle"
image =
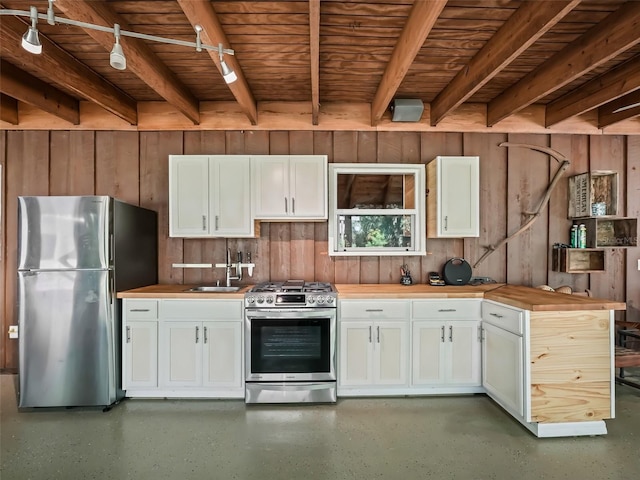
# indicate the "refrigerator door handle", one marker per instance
pixel 111 250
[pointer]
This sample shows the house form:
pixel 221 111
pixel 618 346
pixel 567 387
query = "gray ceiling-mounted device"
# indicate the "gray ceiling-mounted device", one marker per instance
pixel 406 110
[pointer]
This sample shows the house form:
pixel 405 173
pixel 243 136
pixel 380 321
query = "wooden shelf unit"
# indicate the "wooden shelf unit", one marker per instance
pixel 612 232
pixel 579 260
pixel 587 189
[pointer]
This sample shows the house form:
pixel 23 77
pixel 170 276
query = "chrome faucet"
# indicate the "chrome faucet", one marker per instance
pixel 237 266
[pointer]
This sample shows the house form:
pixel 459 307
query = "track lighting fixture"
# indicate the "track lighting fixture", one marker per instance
pixel 626 107
pixel 116 57
pixel 31 40
pixel 227 73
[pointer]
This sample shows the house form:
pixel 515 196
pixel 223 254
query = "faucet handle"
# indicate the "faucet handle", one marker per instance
pixel 239 257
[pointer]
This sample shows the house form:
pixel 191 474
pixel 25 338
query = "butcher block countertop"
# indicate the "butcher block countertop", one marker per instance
pixel 535 299
pixel 395 290
pixel 527 298
pixel 178 291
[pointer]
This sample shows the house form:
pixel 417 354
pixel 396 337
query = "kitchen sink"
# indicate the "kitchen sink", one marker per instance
pixel 213 289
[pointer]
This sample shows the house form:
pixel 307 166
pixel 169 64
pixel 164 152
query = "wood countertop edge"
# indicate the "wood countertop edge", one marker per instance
pixel 527 298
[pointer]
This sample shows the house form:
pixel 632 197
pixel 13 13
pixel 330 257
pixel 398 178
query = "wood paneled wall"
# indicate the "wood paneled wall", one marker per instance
pixel 133 167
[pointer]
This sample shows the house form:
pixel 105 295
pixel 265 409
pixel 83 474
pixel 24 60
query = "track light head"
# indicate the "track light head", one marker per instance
pixel 116 58
pixel 31 39
pixel 228 74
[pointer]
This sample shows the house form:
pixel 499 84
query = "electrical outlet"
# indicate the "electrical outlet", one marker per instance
pixel 13 331
pixel 639 264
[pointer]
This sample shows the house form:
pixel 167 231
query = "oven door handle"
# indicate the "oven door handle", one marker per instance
pixel 297 386
pixel 290 312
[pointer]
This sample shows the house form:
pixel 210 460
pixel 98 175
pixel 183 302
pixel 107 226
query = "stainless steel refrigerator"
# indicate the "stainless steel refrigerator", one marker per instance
pixel 74 254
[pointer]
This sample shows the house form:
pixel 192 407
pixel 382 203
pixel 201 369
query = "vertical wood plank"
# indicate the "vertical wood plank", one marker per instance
pixel 633 210
pixel 27 173
pixel 439 250
pixel 155 148
pixel 324 265
pixel 576 149
pixel 280 233
pixel 493 204
pixel 117 165
pixel 528 174
pixel 4 271
pixel 72 163
pixel 607 152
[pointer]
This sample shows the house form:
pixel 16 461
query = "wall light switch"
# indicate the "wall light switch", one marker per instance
pixel 13 331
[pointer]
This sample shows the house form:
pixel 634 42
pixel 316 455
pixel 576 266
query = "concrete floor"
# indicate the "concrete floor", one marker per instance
pixel 458 437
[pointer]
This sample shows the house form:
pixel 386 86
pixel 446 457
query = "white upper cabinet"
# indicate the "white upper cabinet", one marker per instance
pixel 290 187
pixel 210 196
pixel 453 199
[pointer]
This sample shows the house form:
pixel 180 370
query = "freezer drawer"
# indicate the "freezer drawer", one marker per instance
pixel 67 339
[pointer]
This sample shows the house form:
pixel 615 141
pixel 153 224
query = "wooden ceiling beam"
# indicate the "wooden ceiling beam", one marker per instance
pixel 28 89
pixel 605 88
pixel 60 67
pixel 201 12
pixel 421 19
pixel 8 109
pixel 314 48
pixel 141 60
pixel 606 115
pixel 527 24
pixel 613 35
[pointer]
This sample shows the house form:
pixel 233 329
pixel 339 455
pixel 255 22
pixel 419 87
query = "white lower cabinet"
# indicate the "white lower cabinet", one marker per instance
pixel 373 353
pixel 193 349
pixel 446 353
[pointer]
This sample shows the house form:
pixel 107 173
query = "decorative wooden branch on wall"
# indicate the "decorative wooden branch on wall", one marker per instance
pixel 532 216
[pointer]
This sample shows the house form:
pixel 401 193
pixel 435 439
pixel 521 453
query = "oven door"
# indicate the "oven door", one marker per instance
pixel 290 344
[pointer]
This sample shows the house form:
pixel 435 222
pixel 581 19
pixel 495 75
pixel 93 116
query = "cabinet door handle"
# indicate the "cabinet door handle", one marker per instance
pixel 293 205
pixel 286 205
pixel 450 333
pixel 128 334
pixel 205 334
pixel 378 334
pixel 139 310
pixel 442 334
pixel 480 334
pixel 447 310
pixel 374 310
pixel 446 222
pixel 197 334
pixel 217 226
pixel 495 315
pixel 370 333
pixel 204 222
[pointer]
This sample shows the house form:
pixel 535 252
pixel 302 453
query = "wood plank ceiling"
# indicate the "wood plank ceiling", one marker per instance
pixel 572 56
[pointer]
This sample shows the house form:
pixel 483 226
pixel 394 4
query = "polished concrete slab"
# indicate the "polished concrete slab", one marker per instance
pixel 458 437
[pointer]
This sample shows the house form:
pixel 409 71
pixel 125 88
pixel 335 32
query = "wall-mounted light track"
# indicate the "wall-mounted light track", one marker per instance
pixel 117 59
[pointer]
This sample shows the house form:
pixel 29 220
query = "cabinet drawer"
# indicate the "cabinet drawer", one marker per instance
pixel 454 309
pixel 141 309
pixel 374 310
pixel 201 309
pixel 504 317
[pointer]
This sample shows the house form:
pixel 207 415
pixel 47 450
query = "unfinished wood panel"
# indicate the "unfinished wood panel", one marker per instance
pixel 493 202
pixel 527 182
pixel 4 302
pixel 118 165
pixel 576 149
pixel 155 148
pixel 570 366
pixel 632 294
pixel 608 153
pixel 371 268
pixel 324 264
pixel 345 147
pixel 73 163
pixel 27 173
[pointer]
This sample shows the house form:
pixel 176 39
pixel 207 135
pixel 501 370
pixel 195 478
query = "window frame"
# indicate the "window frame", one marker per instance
pixel 418 235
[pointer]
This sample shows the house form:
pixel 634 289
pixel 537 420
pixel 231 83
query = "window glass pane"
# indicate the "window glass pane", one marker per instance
pixel 373 191
pixel 375 231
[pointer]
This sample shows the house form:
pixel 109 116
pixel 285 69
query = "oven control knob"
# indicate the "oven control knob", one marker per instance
pixel 269 299
pixel 251 300
pixel 329 300
pixel 311 299
pixel 260 299
pixel 320 300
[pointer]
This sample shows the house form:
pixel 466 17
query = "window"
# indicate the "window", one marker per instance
pixel 376 209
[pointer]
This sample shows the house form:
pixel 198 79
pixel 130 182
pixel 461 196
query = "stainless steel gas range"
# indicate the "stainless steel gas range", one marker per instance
pixel 290 342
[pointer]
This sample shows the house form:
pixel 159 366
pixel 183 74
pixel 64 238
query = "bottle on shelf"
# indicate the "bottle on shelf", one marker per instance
pixel 573 236
pixel 582 236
